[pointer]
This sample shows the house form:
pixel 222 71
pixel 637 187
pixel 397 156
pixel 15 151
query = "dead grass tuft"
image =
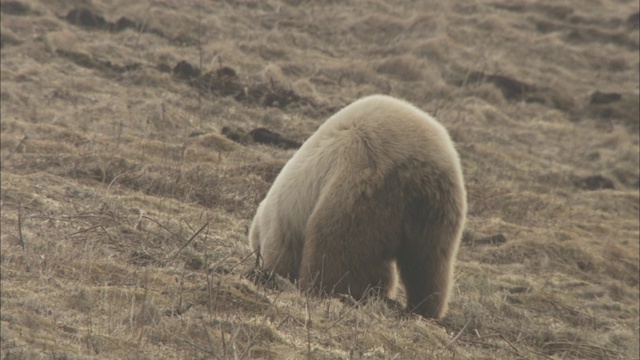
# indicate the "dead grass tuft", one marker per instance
pixel 404 68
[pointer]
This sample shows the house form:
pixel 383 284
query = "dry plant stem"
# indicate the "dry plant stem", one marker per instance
pixel 206 331
pixel 503 338
pixel 189 241
pixel 254 338
pixel 160 224
pixel 24 138
pixel 224 344
pixel 244 259
pixel 214 304
pixel 113 181
pixel 143 27
pixel 208 277
pixel 85 230
pixel 540 354
pixel 22 242
pixel 458 335
pixel 307 325
pixel 92 228
pixel 353 306
pixel 206 351
pixel 180 293
pixel 233 343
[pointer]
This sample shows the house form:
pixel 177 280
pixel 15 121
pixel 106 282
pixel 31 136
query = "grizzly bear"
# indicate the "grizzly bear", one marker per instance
pixel 378 183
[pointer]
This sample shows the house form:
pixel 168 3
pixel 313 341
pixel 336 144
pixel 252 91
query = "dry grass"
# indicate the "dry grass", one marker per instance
pixel 125 211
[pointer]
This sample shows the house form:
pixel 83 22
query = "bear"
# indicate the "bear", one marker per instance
pixel 379 185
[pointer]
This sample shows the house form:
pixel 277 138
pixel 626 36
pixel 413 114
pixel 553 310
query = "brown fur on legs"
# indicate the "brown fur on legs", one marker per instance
pixel 427 271
pixel 351 250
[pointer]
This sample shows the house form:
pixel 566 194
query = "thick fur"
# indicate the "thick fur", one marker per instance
pixel 379 182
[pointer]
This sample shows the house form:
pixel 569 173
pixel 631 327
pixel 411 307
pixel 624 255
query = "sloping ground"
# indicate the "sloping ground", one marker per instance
pixel 125 209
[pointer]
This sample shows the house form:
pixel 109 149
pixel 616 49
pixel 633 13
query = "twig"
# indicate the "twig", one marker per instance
pixel 189 241
pixel 510 344
pixel 233 343
pixel 141 28
pixel 189 225
pixel 159 224
pixel 84 230
pixel 455 338
pixel 501 337
pixel 579 346
pixel 200 348
pixel 206 331
pixel 353 307
pixel 253 339
pixel 539 353
pixel 22 243
pixel 258 257
pixel 200 55
pixel 105 231
pixel 24 138
pixel 308 326
pixel 214 266
pixel 113 181
pixel 138 225
pixel 224 344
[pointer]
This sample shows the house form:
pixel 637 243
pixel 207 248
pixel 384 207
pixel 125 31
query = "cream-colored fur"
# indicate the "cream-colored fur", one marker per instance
pixel 379 182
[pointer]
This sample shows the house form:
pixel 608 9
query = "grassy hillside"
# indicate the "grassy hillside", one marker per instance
pixel 131 172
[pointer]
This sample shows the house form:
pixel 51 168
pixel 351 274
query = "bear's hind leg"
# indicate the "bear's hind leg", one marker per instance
pixel 346 252
pixel 344 274
pixel 426 271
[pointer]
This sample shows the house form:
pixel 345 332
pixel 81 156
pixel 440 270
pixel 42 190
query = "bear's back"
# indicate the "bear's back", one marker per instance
pixel 389 131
